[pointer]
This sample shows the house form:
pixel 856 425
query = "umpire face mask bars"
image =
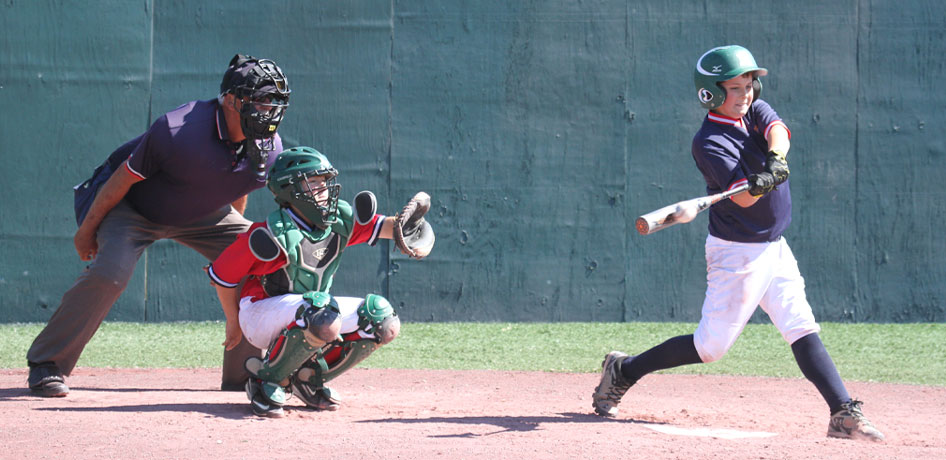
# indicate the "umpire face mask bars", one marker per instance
pixel 264 97
pixel 261 114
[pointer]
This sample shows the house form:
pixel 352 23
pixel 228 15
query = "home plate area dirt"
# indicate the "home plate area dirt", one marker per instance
pixel 484 415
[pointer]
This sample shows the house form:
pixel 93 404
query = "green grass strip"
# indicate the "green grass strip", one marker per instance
pixel 892 353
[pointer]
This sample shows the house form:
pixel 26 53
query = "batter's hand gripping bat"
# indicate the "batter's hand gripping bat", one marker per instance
pixel 682 212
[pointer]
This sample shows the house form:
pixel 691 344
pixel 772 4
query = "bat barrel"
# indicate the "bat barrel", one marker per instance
pixel 656 220
pixel 676 213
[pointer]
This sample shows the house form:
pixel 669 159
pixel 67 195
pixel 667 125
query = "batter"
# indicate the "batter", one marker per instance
pixel 749 263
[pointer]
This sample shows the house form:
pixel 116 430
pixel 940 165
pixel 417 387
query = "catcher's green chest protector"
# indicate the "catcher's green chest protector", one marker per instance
pixel 313 256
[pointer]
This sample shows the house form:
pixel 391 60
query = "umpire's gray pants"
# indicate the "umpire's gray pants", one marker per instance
pixel 122 237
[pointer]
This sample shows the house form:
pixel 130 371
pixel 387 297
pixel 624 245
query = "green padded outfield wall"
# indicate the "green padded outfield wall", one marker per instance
pixel 542 129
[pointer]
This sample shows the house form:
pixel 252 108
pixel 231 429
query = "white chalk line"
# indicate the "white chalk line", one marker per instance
pixel 721 433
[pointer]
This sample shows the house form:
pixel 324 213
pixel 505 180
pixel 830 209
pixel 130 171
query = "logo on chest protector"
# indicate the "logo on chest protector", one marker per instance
pixel 319 253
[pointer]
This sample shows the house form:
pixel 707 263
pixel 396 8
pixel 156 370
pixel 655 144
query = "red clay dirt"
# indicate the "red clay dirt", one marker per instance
pixel 426 414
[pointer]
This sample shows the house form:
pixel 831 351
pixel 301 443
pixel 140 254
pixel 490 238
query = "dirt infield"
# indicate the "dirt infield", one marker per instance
pixel 408 414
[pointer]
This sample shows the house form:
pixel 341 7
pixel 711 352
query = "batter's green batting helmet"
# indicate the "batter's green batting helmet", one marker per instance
pixel 287 181
pixel 720 64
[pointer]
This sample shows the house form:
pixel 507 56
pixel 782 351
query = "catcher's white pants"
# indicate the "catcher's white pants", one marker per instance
pixel 263 320
pixel 741 276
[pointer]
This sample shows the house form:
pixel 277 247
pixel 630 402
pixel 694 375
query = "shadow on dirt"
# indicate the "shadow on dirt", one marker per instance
pixel 10 393
pixel 139 390
pixel 509 423
pixel 228 411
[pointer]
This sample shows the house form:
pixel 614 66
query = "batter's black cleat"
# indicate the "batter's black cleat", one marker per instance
pixel 612 386
pixel 46 380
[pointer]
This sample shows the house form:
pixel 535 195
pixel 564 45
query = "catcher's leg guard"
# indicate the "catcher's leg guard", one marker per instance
pixel 316 325
pixel 378 325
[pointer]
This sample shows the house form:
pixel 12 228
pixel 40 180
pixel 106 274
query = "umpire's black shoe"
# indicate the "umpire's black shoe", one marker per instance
pixel 46 380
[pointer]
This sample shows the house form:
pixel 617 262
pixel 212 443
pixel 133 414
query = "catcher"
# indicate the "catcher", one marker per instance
pixel 273 283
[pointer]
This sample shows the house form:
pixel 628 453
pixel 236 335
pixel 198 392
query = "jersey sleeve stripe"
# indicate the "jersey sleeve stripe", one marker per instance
pixel 216 279
pixel 738 183
pixel 774 123
pixel 129 168
pixel 376 233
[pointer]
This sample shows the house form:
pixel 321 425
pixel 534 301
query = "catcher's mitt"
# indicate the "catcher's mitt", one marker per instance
pixel 412 234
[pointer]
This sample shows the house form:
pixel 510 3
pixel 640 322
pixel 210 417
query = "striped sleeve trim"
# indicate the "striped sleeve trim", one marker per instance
pixel 776 123
pixel 131 170
pixel 738 183
pixel 376 233
pixel 218 280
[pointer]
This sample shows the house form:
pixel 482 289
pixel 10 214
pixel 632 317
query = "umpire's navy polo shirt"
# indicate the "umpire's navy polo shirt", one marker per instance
pixel 188 166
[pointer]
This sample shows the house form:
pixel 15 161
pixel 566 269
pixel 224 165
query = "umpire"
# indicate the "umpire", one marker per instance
pixel 187 179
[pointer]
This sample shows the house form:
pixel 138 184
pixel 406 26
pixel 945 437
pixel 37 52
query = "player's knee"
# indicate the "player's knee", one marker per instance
pixel 325 324
pixel 322 316
pixel 389 330
pixel 379 314
pixel 712 352
pixel 108 277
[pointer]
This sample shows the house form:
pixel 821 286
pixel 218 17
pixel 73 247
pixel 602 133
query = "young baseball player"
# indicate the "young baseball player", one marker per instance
pixel 273 283
pixel 749 263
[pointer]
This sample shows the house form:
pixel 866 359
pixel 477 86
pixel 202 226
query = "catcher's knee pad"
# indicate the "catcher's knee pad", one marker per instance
pixel 378 325
pixel 376 316
pixel 317 323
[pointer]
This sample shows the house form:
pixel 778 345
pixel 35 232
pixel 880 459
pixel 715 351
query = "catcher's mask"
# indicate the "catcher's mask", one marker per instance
pixel 262 91
pixel 289 182
pixel 720 64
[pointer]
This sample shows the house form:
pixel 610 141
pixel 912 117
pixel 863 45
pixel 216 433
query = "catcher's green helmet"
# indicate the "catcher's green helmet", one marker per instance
pixel 287 181
pixel 720 64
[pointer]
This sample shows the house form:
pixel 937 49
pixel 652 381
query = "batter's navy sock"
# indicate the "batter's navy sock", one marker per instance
pixel 675 352
pixel 817 366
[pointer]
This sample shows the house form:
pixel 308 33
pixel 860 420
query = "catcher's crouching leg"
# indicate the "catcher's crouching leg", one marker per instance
pixel 378 325
pixel 317 324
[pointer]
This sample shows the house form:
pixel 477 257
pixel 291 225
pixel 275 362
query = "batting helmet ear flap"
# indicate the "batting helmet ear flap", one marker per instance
pixel 756 88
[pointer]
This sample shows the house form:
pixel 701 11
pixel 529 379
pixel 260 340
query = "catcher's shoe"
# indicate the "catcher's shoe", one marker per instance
pixel 323 398
pixel 612 386
pixel 260 394
pixel 850 423
pixel 46 380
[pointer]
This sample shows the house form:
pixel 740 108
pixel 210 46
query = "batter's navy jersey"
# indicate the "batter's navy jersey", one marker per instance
pixel 727 151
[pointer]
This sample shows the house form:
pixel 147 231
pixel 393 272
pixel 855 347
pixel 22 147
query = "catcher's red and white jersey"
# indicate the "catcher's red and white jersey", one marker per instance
pixel 238 261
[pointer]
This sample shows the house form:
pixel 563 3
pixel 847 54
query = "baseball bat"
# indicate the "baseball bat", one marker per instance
pixel 681 212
